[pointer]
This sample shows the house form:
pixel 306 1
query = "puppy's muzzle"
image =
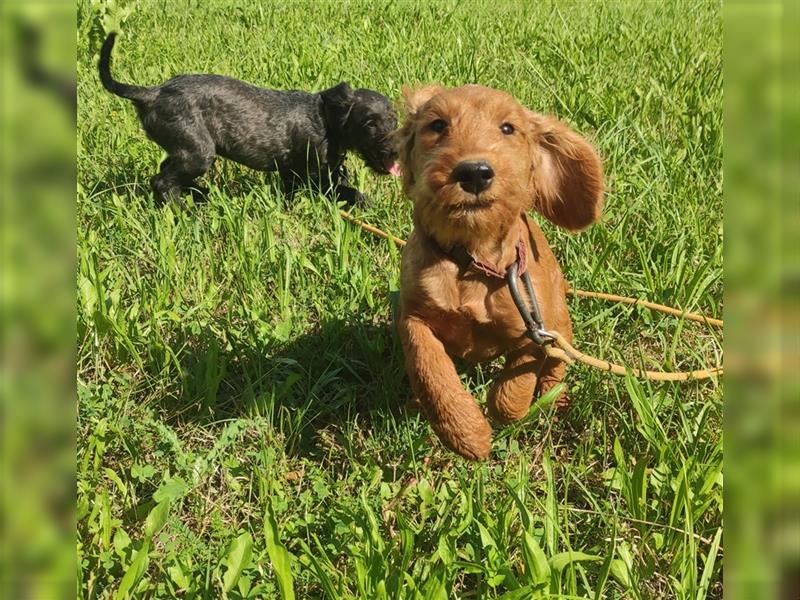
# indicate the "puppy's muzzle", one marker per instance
pixel 474 176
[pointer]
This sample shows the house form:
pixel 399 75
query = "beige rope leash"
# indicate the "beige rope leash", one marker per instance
pixel 568 353
pixel 651 305
pixel 374 230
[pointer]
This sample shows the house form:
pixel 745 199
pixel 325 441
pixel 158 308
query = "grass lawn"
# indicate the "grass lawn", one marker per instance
pixel 242 429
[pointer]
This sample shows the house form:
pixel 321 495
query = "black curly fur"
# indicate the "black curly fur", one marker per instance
pixel 301 135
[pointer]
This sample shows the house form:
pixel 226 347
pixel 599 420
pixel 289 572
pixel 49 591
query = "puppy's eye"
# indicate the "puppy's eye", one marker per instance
pixel 438 126
pixel 507 128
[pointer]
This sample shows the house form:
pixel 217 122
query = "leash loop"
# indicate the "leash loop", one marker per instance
pixel 534 324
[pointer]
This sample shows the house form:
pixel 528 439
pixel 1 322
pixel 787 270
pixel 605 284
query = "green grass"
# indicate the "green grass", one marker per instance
pixel 242 429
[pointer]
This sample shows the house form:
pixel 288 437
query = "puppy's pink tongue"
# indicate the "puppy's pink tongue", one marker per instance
pixel 393 168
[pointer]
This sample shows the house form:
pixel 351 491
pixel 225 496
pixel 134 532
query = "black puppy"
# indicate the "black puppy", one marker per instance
pixel 303 136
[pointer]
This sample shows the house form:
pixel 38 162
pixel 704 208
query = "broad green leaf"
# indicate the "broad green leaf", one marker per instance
pixel 443 550
pixel 170 490
pixel 88 293
pixel 522 593
pixel 307 264
pixel 406 535
pixel 142 472
pixel 411 584
pixel 510 581
pixel 106 519
pixel 605 569
pixel 283 329
pixel 319 569
pixel 178 576
pixel 237 559
pixel 244 586
pixel 469 567
pixel 280 557
pixel 548 398
pixel 134 573
pixel 619 570
pixel 536 565
pixel 117 481
pixel 434 588
pixel 524 513
pixel 425 491
pixel 550 506
pixel 487 541
pixel 639 489
pixel 708 569
pixel 562 559
pixel 496 579
pixel 121 542
pixel 156 519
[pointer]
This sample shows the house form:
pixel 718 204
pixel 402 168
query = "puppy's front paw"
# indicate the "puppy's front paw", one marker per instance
pixel 352 197
pixel 359 200
pixel 199 193
pixel 504 417
pixel 363 201
pixel 506 410
pixel 475 444
pixel 464 430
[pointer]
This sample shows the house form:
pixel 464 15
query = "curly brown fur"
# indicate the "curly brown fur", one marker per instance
pixel 473 162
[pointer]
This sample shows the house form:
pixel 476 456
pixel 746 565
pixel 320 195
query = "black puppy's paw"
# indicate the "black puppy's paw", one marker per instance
pixel 352 197
pixel 199 193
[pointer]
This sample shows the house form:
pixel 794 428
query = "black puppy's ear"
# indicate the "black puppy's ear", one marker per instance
pixel 338 102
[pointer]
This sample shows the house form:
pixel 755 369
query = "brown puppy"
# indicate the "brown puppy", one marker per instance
pixel 474 161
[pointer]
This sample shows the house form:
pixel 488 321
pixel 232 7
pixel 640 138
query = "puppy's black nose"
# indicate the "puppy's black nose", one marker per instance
pixel 474 175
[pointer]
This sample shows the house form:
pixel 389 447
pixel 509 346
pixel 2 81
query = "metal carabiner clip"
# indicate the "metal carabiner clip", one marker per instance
pixel 532 318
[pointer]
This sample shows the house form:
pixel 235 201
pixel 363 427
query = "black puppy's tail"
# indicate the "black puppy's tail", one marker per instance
pixel 131 92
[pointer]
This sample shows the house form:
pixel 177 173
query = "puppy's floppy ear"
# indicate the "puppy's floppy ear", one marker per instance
pixel 338 102
pixel 413 100
pixel 567 175
pixel 415 97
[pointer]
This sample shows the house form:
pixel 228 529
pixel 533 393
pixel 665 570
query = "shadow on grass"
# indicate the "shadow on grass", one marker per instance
pixel 230 180
pixel 343 372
